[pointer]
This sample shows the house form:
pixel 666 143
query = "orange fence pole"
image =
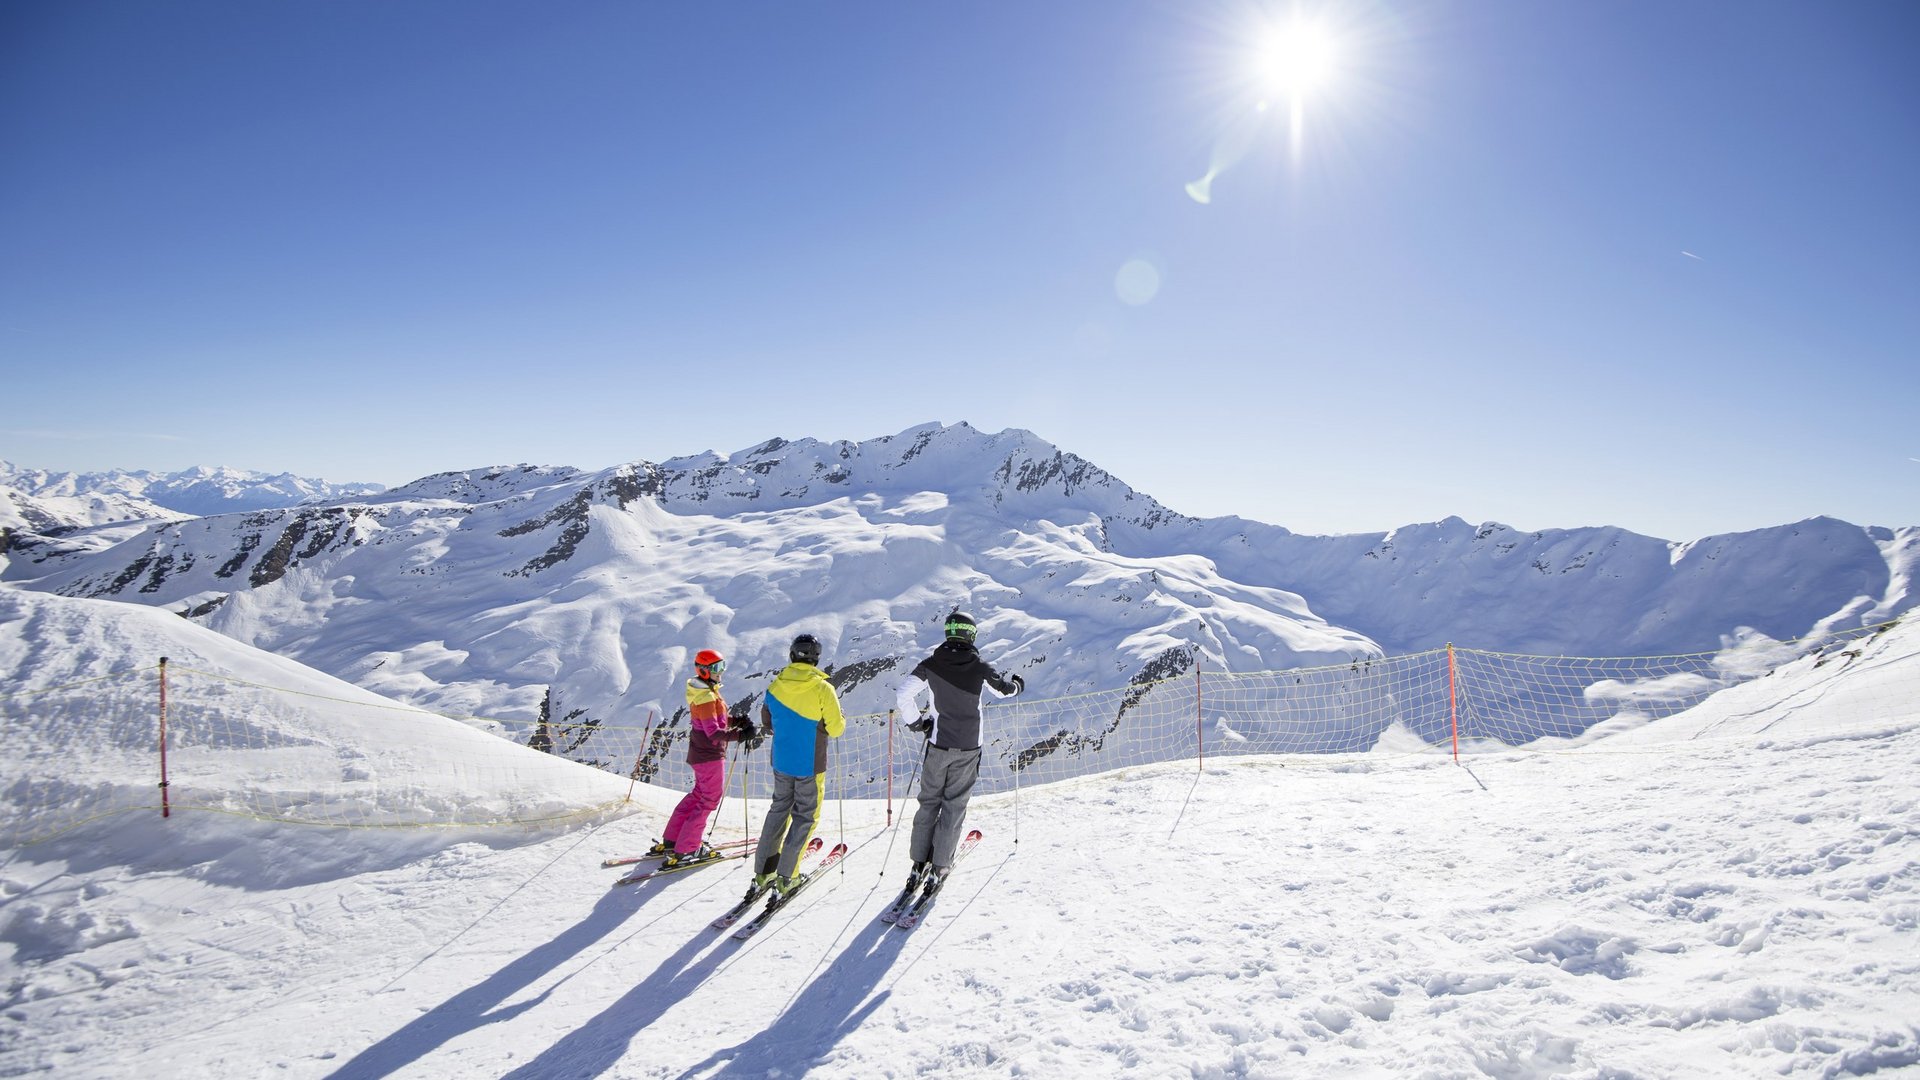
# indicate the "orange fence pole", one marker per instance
pixel 1453 700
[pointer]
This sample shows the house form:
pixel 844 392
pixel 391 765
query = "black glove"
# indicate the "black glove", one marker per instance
pixel 1019 683
pixel 924 725
pixel 742 730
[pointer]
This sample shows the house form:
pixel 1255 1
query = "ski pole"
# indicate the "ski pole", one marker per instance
pixel 724 781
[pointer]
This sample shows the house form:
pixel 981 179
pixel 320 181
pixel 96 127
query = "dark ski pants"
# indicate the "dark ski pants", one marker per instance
pixel 946 783
pixel 790 821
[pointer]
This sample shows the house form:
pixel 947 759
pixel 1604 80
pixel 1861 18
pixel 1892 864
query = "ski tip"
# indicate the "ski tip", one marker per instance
pixel 838 849
pixel 974 835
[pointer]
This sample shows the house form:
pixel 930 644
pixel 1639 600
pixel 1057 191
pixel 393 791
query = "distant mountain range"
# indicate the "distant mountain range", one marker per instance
pixel 101 497
pixel 474 591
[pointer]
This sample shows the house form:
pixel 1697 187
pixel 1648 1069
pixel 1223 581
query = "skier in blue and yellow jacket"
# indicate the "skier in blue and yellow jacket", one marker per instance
pixel 803 712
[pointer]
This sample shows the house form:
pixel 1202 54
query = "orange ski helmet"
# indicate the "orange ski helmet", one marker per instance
pixel 708 665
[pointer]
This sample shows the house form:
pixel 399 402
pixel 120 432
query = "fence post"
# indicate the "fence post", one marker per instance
pixel 1199 716
pixel 1453 701
pixel 166 805
pixel 634 777
pixel 889 768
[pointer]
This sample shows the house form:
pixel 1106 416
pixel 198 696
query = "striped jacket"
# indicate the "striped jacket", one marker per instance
pixel 707 722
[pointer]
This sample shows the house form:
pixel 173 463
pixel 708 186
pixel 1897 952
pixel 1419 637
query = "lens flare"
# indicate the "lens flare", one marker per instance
pixel 1138 281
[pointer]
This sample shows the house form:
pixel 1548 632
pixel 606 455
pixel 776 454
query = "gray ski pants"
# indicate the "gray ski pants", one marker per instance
pixel 790 821
pixel 946 783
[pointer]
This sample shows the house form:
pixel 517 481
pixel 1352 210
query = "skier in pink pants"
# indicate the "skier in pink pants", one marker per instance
pixel 710 731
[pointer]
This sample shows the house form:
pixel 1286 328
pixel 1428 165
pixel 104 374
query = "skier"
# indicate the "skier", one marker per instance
pixel 709 730
pixel 803 712
pixel 955 674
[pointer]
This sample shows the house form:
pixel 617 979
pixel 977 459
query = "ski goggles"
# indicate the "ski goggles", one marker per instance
pixel 962 630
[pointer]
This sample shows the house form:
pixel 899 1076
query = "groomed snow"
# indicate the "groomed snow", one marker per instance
pixel 1727 893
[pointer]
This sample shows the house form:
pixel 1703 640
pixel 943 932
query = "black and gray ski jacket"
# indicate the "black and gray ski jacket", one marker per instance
pixel 956 673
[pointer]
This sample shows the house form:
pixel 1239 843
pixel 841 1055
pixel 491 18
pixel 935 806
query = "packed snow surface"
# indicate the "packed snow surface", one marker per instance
pixel 1730 892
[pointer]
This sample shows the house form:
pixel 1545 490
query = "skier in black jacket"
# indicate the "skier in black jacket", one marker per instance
pixel 954 673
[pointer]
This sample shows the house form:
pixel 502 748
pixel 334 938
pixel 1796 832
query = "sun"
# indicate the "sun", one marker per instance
pixel 1276 72
pixel 1296 59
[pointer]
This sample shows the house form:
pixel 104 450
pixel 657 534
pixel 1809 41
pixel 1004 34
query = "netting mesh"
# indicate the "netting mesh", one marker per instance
pixel 77 752
pixel 92 748
pixel 232 746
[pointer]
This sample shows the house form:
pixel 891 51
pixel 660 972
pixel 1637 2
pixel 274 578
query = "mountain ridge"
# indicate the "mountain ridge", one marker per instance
pixel 472 591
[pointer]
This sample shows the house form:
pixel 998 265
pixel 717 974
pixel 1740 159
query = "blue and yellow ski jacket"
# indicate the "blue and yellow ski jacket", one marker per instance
pixel 805 713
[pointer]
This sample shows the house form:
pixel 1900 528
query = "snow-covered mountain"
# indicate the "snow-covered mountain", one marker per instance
pixel 50 515
pixel 196 492
pixel 472 592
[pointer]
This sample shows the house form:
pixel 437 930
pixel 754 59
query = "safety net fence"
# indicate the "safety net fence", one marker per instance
pixel 154 738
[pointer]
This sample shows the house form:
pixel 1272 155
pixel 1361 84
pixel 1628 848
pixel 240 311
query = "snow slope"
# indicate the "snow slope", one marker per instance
pixel 1730 892
pixel 361 759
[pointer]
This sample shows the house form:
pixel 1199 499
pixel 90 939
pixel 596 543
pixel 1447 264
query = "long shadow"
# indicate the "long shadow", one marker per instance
pixel 475 1006
pixel 598 1044
pixel 828 1010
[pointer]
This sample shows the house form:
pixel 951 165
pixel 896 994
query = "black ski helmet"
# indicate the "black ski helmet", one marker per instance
pixel 960 625
pixel 805 650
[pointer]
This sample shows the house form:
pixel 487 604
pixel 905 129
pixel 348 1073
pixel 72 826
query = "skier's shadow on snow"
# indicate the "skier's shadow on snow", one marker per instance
pixel 598 1044
pixel 828 1010
pixel 476 1006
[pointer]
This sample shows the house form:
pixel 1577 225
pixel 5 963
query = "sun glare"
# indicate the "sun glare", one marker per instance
pixel 1282 73
pixel 1296 59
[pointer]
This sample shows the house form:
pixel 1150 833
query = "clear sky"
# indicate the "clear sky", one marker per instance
pixel 1638 263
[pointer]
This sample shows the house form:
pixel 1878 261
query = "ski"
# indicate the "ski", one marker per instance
pixel 719 856
pixel 755 892
pixel 902 902
pixel 910 917
pixel 629 860
pixel 783 899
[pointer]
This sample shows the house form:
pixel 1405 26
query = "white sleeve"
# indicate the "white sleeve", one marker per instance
pixel 906 696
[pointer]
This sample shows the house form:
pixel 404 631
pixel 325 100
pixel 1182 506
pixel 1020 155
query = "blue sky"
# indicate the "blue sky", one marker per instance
pixel 1549 264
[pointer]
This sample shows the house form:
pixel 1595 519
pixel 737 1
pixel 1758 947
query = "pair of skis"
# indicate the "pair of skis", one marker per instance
pixel 911 905
pixel 629 860
pixel 755 892
pixel 775 899
pixel 905 913
pixel 732 849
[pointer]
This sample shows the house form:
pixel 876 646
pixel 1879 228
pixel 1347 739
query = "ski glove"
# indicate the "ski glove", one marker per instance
pixel 750 736
pixel 1019 684
pixel 924 725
